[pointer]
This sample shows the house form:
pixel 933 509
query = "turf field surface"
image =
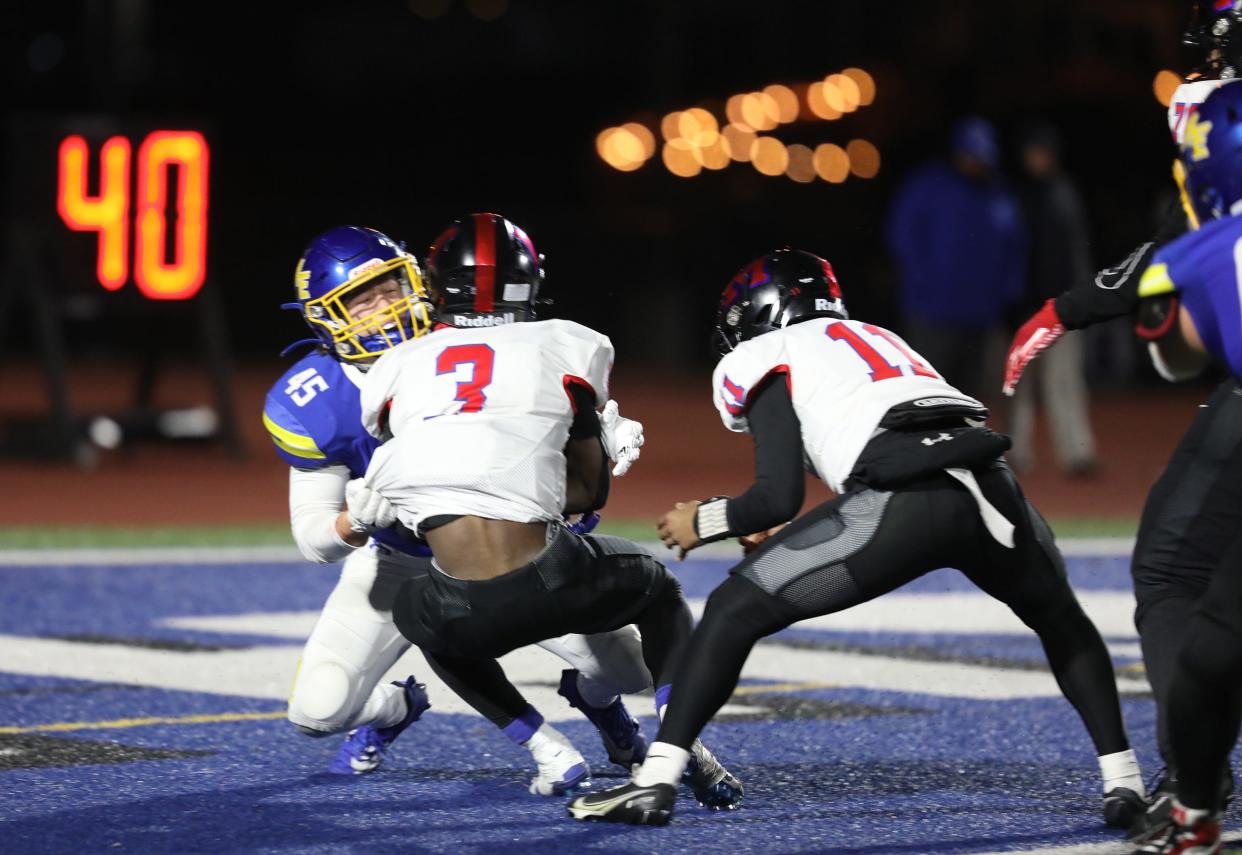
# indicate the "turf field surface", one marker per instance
pixel 141 710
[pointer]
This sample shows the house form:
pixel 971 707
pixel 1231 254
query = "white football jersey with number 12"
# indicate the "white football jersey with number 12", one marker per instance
pixel 479 418
pixel 843 376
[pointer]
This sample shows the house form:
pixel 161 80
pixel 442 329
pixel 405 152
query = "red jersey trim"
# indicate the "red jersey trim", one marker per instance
pixel 574 380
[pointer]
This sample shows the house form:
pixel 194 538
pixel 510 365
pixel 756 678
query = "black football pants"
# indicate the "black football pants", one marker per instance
pixel 1192 517
pixel 866 543
pixel 1204 703
pixel 583 585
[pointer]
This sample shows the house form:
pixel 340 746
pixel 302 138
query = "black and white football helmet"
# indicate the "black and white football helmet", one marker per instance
pixel 773 292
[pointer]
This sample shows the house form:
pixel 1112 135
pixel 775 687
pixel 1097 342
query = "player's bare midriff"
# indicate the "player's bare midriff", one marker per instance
pixel 475 549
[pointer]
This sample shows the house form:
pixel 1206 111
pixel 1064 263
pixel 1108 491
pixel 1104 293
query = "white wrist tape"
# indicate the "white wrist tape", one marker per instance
pixel 711 519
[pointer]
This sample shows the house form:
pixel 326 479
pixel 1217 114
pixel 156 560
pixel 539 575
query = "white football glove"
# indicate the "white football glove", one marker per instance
pixel 622 438
pixel 367 509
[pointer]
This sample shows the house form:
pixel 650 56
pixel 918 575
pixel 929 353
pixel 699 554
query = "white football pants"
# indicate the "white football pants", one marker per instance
pixel 355 642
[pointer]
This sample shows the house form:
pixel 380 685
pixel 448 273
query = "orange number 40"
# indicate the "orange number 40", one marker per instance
pixel 107 212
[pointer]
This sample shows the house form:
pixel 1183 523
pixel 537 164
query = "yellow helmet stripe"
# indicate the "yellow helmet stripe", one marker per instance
pixel 1179 177
pixel 294 443
pixel 1156 281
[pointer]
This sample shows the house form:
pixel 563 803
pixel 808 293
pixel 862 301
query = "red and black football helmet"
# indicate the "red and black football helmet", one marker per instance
pixel 483 271
pixel 773 292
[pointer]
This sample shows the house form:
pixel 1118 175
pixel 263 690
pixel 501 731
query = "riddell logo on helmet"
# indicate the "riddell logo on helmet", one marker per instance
pixel 370 264
pixel 484 320
pixel 822 305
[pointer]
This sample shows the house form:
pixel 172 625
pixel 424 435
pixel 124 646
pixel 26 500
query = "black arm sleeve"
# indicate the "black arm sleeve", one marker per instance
pixel 1114 290
pixel 780 485
pixel 589 479
pixel 586 423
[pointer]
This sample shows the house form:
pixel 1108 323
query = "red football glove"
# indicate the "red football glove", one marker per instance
pixel 1036 335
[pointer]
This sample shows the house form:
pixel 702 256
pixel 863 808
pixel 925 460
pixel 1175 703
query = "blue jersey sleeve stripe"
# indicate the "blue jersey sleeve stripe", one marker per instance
pixel 299 445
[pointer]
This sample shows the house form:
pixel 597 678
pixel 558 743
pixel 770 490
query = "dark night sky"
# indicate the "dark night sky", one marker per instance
pixel 327 113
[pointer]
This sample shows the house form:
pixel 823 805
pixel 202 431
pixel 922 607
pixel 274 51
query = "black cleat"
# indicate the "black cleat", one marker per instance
pixel 1158 818
pixel 1180 836
pixel 713 785
pixel 627 803
pixel 1123 807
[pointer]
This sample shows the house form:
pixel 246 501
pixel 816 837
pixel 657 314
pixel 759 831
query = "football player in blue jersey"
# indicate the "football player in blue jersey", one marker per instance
pixel 1173 561
pixel 361 294
pixel 1189 309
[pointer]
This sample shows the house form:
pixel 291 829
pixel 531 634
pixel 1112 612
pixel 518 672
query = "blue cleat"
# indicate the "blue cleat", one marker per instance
pixel 365 747
pixel 622 736
pixel 713 785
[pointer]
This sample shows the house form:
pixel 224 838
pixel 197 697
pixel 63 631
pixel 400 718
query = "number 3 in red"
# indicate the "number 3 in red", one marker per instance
pixel 480 358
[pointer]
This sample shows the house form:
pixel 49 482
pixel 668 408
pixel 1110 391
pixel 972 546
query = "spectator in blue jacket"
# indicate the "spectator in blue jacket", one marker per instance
pixel 956 233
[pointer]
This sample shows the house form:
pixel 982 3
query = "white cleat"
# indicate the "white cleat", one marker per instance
pixel 561 767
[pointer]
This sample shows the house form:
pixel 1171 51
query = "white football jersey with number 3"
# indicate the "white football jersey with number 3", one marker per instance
pixel 843 376
pixel 479 418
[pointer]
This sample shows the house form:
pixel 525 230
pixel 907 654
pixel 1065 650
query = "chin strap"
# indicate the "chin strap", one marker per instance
pixel 300 343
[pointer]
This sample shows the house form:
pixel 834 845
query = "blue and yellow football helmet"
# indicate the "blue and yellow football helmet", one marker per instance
pixel 1211 153
pixel 337 268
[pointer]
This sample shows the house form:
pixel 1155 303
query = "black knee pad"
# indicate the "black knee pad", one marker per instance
pixel 671 584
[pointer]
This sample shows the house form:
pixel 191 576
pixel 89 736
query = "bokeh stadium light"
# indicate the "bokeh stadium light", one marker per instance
pixel 738 138
pixel 760 111
pixel 864 158
pixel 865 84
pixel 679 159
pixel 696 138
pixel 801 166
pixel 1164 85
pixel 715 155
pixel 818 103
pixel 698 127
pixel 785 100
pixel 626 148
pixel 769 156
pixel 841 93
pixel 831 163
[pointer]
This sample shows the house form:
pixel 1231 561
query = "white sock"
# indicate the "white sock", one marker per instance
pixel 1122 770
pixel 384 707
pixel 664 765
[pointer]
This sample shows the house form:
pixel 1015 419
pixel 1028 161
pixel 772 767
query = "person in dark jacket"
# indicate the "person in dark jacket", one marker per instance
pixel 955 231
pixel 1057 234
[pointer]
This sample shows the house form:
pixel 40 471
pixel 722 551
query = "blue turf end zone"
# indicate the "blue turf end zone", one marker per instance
pixel 96 759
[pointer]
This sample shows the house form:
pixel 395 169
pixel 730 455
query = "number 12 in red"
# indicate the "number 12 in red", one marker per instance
pixel 881 368
pixel 480 357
